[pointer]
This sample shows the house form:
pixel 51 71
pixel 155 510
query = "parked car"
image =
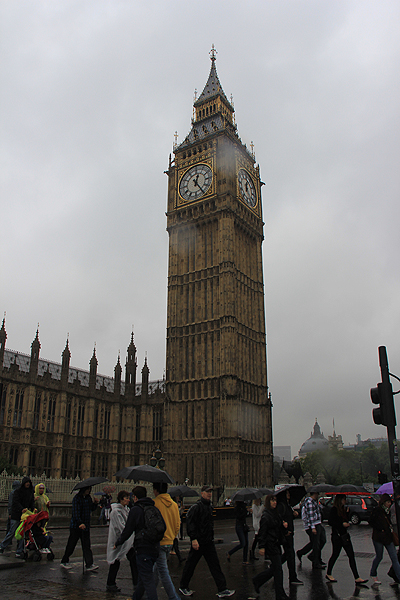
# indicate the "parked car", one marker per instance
pixel 360 507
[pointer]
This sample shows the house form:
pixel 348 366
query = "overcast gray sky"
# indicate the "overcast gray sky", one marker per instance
pixel 92 92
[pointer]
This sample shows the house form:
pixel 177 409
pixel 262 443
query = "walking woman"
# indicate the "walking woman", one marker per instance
pixel 339 521
pixel 118 518
pixel 242 531
pixel 382 536
pixel 256 510
pixel 270 537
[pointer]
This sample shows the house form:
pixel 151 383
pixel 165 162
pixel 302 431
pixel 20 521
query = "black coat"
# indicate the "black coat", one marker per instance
pixel 23 498
pixel 381 526
pixel 271 532
pixel 136 522
pixel 199 521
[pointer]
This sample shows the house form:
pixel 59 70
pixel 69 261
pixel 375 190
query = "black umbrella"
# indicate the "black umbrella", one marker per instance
pixel 349 487
pixel 89 482
pixel 249 494
pixel 183 491
pixel 321 488
pixel 297 492
pixel 145 473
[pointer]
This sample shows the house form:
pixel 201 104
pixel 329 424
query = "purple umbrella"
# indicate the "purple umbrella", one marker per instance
pixel 386 488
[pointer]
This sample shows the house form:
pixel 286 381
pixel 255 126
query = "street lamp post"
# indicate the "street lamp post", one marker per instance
pixel 157 460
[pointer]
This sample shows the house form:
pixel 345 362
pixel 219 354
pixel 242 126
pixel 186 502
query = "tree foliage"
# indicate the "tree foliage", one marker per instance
pixel 348 466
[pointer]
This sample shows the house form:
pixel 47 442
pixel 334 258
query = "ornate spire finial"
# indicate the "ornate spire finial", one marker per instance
pixel 175 139
pixel 213 54
pixel 252 149
pixel 195 95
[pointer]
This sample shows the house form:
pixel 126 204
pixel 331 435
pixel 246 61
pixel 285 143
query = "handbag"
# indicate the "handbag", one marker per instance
pixel 345 537
pixel 395 538
pixel 246 528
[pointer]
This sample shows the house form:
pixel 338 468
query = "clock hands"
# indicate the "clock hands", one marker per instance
pixel 195 182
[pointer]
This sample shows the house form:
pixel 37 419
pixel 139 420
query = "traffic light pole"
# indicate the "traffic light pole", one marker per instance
pixel 390 415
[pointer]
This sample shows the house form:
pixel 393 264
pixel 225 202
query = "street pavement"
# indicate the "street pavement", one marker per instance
pixel 47 580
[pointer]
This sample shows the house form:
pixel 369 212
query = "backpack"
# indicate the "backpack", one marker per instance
pixel 154 528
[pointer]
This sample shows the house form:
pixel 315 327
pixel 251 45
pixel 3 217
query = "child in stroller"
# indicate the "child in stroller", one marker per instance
pixel 36 538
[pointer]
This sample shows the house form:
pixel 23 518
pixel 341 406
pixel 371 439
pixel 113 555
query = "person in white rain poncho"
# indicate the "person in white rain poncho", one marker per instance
pixel 118 518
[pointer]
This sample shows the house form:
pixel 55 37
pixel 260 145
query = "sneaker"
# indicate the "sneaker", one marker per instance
pixel 113 588
pixel 20 556
pixel 296 582
pixel 92 568
pixel 65 565
pixel 186 592
pixel 225 593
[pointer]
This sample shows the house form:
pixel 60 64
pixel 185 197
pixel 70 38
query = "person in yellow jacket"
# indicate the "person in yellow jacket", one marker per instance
pixel 170 513
pixel 42 501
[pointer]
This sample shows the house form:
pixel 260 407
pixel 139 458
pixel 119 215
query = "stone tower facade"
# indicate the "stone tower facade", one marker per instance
pixel 218 413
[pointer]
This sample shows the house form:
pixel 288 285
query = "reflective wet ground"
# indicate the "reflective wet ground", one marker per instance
pixel 46 580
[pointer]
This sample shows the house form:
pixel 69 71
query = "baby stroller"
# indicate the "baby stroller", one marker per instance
pixel 36 540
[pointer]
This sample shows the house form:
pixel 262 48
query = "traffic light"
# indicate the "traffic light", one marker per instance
pixel 382 478
pixel 383 395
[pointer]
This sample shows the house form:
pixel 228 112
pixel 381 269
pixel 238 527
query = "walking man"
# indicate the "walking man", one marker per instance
pixel 22 500
pixel 200 529
pixel 170 513
pixel 312 521
pixel 79 528
pixel 146 548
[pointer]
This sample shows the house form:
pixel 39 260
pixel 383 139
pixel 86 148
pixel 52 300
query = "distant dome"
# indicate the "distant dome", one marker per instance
pixel 316 441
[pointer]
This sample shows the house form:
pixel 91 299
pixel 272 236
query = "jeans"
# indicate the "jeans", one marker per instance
pixel 316 543
pixel 275 571
pixel 337 545
pixel 74 536
pixel 391 550
pixel 146 583
pixel 10 536
pixel 243 542
pixel 161 571
pixel 206 549
pixel 289 556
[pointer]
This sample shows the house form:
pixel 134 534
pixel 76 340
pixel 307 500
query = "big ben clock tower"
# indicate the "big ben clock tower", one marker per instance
pixel 217 426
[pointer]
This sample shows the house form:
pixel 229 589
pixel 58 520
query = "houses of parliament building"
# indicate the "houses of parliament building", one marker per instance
pixel 211 415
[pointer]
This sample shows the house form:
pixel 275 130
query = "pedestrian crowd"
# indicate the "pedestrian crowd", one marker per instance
pixel 145 532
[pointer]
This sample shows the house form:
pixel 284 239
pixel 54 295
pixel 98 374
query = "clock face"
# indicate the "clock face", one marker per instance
pixel 195 182
pixel 247 189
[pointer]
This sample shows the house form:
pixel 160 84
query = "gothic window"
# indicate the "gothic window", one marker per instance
pixel 3 396
pixel 36 410
pixel 107 415
pixel 157 426
pixel 51 413
pixel 93 466
pixel 32 462
pixel 67 424
pixel 13 458
pixel 78 465
pixel 137 428
pixel 47 463
pixel 18 405
pixel 80 420
pixel 192 432
pixel 95 422
pixel 64 465
pixel 212 419
pixel 104 466
pixel 120 427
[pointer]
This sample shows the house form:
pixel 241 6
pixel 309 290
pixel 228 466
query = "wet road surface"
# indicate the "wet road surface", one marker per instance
pixel 46 580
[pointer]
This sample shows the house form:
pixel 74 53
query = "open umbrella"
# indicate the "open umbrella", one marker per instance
pixel 145 473
pixel 249 494
pixel 183 491
pixel 349 488
pixel 386 488
pixel 297 492
pixel 321 488
pixel 89 482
